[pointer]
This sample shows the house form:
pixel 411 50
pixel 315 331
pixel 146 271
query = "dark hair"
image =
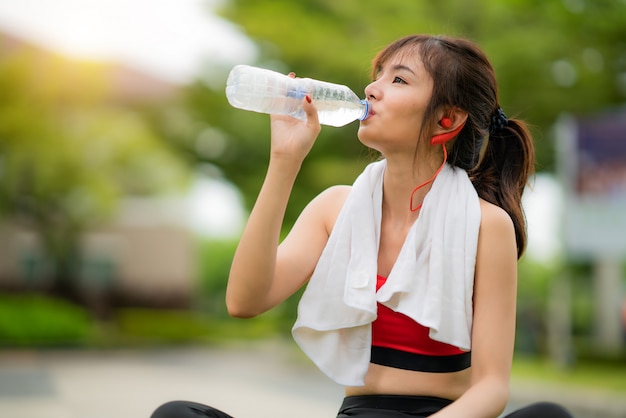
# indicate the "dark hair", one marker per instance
pixel 464 78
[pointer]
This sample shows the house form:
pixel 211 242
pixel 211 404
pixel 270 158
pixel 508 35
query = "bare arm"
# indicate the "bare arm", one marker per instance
pixel 263 274
pixel 493 330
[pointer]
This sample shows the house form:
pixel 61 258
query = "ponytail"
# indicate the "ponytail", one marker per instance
pixel 502 173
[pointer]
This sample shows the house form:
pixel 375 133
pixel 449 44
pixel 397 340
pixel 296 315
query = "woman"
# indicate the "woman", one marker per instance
pixel 412 271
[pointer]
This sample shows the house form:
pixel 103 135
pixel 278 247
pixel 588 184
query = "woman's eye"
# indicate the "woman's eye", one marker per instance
pixel 399 80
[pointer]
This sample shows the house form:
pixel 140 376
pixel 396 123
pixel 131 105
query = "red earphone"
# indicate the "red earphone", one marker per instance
pixel 445 122
pixel 440 139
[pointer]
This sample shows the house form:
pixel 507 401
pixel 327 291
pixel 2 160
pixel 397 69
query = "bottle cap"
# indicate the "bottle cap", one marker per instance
pixel 366 110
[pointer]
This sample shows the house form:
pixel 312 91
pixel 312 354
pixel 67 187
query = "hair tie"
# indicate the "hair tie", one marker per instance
pixel 498 121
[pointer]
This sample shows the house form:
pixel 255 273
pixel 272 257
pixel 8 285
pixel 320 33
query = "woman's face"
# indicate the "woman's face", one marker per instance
pixel 398 99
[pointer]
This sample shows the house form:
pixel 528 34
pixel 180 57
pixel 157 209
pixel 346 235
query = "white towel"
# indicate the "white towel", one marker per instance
pixel 431 281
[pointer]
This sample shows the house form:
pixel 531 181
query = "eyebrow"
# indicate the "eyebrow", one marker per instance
pixel 398 67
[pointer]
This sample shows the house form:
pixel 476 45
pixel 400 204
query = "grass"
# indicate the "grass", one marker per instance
pixel 36 320
pixel 586 374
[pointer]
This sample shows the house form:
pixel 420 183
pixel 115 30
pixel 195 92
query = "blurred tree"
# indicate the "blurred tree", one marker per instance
pixel 549 57
pixel 67 154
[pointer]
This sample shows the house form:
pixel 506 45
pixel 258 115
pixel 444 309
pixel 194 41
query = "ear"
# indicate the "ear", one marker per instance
pixel 448 126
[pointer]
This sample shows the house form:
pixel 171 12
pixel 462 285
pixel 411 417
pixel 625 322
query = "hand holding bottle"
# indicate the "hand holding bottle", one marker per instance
pixel 293 138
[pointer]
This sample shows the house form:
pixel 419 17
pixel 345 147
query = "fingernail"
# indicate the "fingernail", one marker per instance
pixel 308 98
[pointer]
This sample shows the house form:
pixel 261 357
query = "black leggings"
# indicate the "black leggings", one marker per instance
pixel 186 409
pixel 398 406
pixel 541 409
pixel 367 407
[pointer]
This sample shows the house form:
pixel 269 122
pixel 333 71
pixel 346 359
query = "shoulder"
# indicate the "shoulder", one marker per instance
pixel 333 198
pixel 495 220
pixel 497 247
pixel 496 238
pixel 340 191
pixel 327 205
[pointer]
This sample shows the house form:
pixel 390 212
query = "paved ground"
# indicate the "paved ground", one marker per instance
pixel 265 381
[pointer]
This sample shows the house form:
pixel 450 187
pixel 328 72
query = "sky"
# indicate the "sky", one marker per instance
pixel 171 39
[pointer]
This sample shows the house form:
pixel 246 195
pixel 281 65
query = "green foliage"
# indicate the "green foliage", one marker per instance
pixel 39 321
pixel 77 157
pixel 214 259
pixel 597 375
pixel 581 275
pixel 68 153
pixel 532 297
pixel 27 321
pixel 157 327
pixel 550 57
pixel 152 326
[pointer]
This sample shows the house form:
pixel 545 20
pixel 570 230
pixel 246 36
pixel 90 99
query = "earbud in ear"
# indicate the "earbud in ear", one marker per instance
pixel 445 137
pixel 445 122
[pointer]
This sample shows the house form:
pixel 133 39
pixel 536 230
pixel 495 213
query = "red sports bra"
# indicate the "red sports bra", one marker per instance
pixel 400 342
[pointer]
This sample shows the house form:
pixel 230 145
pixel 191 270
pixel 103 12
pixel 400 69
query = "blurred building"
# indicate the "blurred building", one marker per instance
pixel 592 164
pixel 592 161
pixel 145 259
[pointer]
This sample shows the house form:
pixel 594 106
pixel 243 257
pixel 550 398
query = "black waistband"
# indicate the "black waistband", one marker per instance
pixel 419 362
pixel 412 404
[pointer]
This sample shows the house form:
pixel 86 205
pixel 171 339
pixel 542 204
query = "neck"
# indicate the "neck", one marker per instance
pixel 406 183
pixel 428 182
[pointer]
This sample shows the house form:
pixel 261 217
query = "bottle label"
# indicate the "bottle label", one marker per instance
pixel 296 93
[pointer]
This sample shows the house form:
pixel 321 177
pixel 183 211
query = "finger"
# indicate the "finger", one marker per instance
pixel 310 110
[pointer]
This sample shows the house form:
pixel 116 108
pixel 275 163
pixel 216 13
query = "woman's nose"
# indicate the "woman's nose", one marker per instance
pixel 371 91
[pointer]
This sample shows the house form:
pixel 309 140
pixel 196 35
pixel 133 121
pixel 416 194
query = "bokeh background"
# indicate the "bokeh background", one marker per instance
pixel 125 176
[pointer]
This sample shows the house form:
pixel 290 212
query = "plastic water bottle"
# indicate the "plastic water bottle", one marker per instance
pixel 266 91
